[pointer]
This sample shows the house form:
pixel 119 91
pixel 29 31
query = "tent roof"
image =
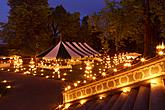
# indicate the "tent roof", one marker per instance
pixel 67 50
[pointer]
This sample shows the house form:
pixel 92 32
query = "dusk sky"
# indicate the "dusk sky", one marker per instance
pixel 85 7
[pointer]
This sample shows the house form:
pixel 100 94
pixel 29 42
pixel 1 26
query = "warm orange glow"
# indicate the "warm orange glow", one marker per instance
pixel 127 64
pixel 160 46
pixel 83 101
pixel 103 74
pixel 42 70
pixel 115 70
pixel 93 77
pixel 4 81
pixel 69 87
pixel 100 98
pixel 65 74
pixel 47 76
pixel 8 87
pixel 75 84
pixel 127 89
pixel 67 105
pixel 59 106
pixel 84 81
pixel 161 53
pixel 156 81
pixel 63 79
pixel 142 59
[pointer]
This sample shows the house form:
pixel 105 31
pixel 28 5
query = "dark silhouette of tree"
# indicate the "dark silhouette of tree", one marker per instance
pixel 140 20
pixel 64 25
pixel 26 28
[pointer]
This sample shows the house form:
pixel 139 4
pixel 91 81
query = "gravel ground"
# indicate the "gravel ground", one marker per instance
pixel 30 93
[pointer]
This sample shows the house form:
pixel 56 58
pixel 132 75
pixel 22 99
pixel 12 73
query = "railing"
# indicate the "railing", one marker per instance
pixel 141 73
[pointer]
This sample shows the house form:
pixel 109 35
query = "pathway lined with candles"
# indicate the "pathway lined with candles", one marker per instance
pixel 30 93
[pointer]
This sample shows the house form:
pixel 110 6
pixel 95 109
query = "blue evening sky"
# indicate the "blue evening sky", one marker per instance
pixel 85 7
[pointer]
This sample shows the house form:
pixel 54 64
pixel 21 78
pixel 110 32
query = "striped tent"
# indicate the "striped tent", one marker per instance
pixel 67 50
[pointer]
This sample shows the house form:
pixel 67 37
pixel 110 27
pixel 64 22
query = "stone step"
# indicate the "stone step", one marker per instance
pixel 120 101
pixel 129 103
pixel 157 96
pixel 142 99
pixel 110 103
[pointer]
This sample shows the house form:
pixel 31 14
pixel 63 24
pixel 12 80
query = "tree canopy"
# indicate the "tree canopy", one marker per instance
pixel 27 26
pixel 125 20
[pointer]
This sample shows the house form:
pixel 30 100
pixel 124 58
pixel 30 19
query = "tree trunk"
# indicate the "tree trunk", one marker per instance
pixel 148 36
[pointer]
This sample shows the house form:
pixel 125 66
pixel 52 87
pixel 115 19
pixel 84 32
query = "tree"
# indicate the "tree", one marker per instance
pixel 65 24
pixel 27 26
pixel 125 19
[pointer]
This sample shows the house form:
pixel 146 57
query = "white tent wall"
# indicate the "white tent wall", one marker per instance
pixel 53 53
pixel 73 49
pixel 82 54
pixel 86 49
pixel 82 49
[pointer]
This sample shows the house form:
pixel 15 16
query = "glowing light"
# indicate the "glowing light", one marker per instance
pixel 100 98
pixel 65 74
pixel 157 81
pixel 80 68
pixel 161 53
pixel 8 87
pixel 67 105
pixel 47 77
pixel 93 77
pixel 127 64
pixel 63 79
pixel 88 68
pixel 83 101
pixel 75 84
pixel 84 81
pixel 42 70
pixel 78 82
pixel 69 87
pixel 103 74
pixel 115 70
pixel 126 90
pixel 142 59
pixel 42 74
pixel 4 81
pixel 160 46
pixel 60 106
pixel 66 89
